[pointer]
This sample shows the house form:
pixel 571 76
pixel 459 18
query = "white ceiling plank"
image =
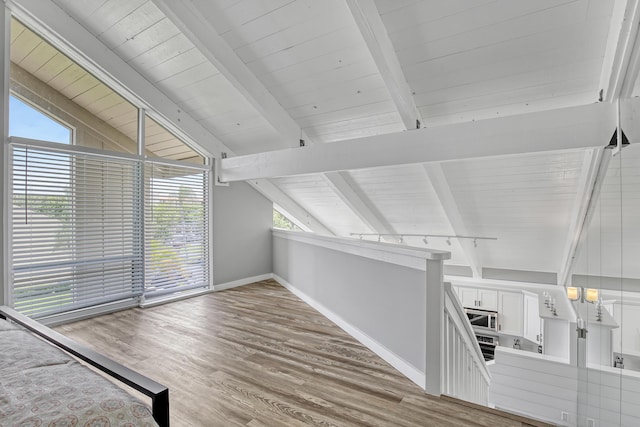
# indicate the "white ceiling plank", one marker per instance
pixel 63 31
pixel 623 31
pixel 346 188
pixel 202 34
pixel 564 129
pixel 368 19
pixel 206 38
pixel 595 166
pixel 48 18
pixel 447 200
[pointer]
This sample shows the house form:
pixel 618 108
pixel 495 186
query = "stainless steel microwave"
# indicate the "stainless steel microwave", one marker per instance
pixel 482 319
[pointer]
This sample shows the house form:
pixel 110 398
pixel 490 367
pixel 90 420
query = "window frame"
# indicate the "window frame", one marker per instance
pixel 72 129
pixel 143 109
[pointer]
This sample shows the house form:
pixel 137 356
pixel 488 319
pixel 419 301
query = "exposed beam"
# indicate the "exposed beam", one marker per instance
pixel 623 31
pixel 185 15
pixel 564 129
pixel 439 182
pixel 595 166
pixel 191 22
pixel 78 43
pixel 346 188
pixel 368 19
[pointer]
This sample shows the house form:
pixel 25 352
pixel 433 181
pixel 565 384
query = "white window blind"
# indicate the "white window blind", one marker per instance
pixel 176 227
pixel 76 229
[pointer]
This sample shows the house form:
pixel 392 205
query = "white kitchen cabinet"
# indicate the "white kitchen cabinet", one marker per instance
pixel 626 338
pixel 485 299
pixel 531 328
pixel 510 313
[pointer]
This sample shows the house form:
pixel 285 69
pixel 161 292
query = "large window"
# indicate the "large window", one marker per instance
pixel 96 215
pixel 27 122
pixel 74 226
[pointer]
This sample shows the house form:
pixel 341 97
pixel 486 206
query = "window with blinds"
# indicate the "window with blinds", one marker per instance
pixel 176 218
pixel 90 228
pixel 106 203
pixel 76 224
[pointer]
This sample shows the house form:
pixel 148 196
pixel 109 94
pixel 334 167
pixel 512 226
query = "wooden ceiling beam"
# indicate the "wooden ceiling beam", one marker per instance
pixel 347 189
pixel 83 47
pixel 621 61
pixel 440 185
pixel 205 37
pixel 594 169
pixel 366 15
pixel 563 129
pixel 192 23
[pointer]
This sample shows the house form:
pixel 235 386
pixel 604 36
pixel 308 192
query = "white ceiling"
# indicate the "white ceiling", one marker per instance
pixel 259 75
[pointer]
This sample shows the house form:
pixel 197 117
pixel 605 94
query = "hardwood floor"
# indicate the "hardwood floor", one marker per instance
pixel 258 356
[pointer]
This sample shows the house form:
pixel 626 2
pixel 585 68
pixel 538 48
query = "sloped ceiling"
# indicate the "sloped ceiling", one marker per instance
pixel 260 75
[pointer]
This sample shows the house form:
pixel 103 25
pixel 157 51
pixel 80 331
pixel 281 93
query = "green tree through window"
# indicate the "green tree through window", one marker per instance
pixel 282 222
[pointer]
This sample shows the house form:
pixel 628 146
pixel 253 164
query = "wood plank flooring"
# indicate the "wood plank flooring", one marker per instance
pixel 258 356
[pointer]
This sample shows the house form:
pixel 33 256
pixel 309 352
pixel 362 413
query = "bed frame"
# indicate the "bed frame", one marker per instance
pixel 158 393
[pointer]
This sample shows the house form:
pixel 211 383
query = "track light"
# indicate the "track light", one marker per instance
pixel 424 237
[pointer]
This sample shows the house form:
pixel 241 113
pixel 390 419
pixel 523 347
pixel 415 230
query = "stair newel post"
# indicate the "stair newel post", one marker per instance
pixel 434 351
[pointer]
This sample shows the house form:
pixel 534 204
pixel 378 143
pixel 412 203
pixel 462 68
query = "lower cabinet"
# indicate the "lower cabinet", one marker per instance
pixel 510 319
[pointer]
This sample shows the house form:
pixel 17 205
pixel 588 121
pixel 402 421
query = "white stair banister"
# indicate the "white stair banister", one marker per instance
pixel 463 372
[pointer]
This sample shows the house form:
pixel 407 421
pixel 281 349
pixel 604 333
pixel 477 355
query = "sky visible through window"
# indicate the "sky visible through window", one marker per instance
pixel 27 122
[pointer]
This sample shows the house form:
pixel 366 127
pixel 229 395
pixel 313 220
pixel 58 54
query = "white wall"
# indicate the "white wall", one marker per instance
pixel 545 387
pixel 242 222
pixel 383 300
pixel 375 292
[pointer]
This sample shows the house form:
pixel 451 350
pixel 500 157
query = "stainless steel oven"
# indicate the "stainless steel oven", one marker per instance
pixel 488 344
pixel 482 319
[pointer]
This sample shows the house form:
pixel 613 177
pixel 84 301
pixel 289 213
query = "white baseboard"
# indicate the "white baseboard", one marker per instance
pixel 242 282
pixel 390 357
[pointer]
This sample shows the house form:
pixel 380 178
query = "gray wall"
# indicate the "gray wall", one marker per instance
pixel 383 300
pixel 242 222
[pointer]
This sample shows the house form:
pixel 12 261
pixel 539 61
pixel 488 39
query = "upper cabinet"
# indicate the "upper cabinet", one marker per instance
pixel 485 299
pixel 626 338
pixel 510 313
pixel 532 324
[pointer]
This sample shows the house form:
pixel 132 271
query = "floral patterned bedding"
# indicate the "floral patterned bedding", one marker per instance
pixel 42 386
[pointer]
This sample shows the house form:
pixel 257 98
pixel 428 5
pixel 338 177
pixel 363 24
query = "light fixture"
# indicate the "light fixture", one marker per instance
pixel 573 293
pixel 423 236
pixel 591 295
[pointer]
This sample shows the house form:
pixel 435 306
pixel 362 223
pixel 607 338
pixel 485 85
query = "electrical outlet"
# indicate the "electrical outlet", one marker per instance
pixel 564 416
pixel 591 422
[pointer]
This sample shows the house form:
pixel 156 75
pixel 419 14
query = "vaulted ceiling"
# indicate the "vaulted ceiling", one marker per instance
pixel 260 75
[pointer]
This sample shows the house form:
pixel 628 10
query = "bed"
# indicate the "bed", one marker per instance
pixel 43 385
